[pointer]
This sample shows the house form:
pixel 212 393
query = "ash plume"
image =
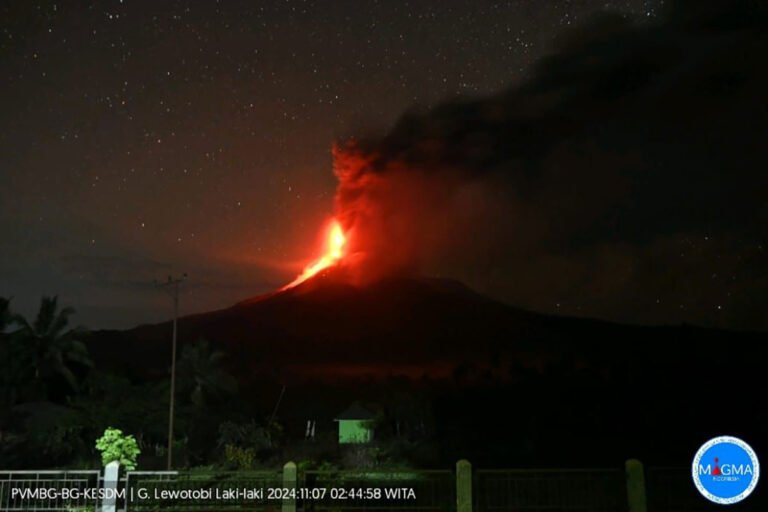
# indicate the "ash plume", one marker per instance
pixel 593 184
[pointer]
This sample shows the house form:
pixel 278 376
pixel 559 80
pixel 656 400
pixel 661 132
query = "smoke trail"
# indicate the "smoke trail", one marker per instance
pixel 630 146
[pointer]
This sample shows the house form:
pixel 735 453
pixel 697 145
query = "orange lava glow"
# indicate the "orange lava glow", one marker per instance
pixel 334 251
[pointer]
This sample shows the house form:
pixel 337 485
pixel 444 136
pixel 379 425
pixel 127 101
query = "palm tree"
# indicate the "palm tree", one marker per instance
pixel 201 374
pixel 5 315
pixel 52 348
pixel 9 370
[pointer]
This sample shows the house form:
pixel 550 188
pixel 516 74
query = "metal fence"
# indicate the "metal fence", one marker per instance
pixel 672 490
pixel 566 490
pixel 52 491
pixel 515 490
pixel 196 491
pixel 403 490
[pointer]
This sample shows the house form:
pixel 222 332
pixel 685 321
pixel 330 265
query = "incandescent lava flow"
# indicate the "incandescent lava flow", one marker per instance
pixel 335 245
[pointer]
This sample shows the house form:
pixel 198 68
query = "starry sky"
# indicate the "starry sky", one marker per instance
pixel 141 139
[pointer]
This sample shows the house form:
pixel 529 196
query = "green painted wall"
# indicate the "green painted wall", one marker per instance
pixel 355 431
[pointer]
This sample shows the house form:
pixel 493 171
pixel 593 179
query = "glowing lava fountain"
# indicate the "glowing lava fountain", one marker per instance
pixel 334 251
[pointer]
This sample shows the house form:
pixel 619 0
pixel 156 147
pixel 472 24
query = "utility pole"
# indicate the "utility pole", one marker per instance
pixel 172 286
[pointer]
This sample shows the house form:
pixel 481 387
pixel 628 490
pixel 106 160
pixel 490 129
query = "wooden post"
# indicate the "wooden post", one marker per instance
pixel 290 479
pixel 636 486
pixel 463 486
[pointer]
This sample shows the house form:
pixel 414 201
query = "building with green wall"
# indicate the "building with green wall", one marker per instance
pixel 355 425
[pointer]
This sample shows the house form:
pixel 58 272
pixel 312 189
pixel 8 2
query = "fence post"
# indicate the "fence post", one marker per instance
pixel 290 479
pixel 110 481
pixel 636 486
pixel 463 486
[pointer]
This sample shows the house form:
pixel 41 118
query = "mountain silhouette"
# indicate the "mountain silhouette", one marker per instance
pixel 414 327
pixel 546 389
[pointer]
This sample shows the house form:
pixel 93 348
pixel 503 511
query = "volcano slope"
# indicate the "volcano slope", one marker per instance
pixel 545 389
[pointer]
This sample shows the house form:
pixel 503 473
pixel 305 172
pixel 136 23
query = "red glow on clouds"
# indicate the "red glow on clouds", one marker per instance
pixel 385 221
pixel 373 233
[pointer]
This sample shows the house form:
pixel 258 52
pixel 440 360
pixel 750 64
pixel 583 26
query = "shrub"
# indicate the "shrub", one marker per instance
pixel 239 457
pixel 114 446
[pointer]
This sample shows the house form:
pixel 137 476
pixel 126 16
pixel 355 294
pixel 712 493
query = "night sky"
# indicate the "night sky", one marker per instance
pixel 139 139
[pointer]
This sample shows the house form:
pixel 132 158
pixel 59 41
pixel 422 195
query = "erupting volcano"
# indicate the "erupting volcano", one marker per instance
pixel 335 244
pixel 385 223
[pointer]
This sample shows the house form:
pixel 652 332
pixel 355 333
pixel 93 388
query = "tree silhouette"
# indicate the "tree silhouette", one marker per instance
pixel 49 348
pixel 201 374
pixel 9 367
pixel 5 316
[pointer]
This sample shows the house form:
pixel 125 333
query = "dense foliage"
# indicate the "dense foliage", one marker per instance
pixel 118 447
pixel 60 408
pixel 55 402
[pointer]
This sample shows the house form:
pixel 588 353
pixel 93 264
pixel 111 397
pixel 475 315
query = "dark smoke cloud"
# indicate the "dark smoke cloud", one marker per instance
pixel 626 179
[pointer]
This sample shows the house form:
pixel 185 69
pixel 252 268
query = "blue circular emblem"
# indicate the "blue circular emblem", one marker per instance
pixel 725 470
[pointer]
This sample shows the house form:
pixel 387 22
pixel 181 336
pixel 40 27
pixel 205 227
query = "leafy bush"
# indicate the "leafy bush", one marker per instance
pixel 114 446
pixel 247 434
pixel 239 457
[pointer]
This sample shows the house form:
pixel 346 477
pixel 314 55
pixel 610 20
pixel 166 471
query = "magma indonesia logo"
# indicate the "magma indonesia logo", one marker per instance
pixel 725 470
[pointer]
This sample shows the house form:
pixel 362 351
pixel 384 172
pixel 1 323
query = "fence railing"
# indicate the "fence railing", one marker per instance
pixel 52 491
pixel 200 491
pixel 632 489
pixel 673 490
pixel 594 490
pixel 404 489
